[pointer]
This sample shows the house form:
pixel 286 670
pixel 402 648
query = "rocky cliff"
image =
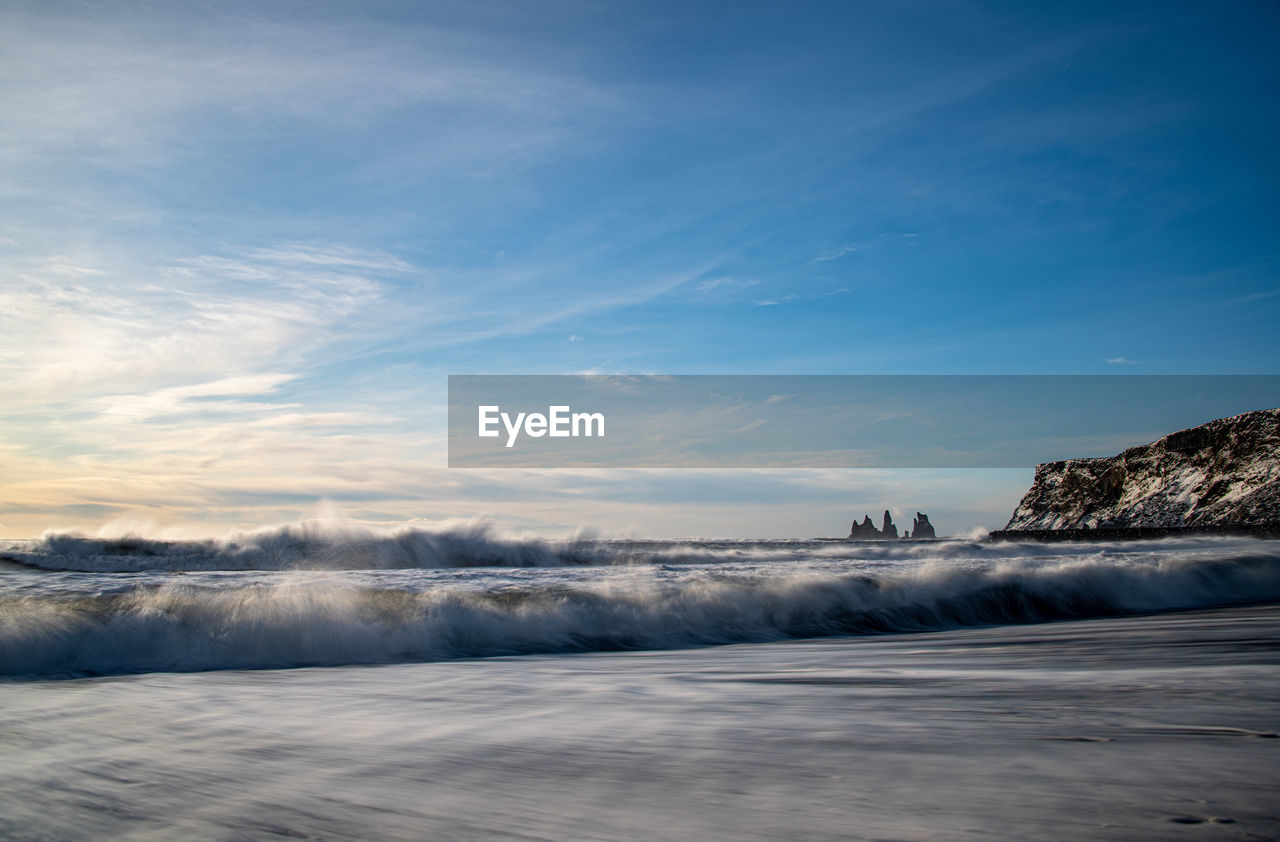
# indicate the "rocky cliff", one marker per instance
pixel 1226 472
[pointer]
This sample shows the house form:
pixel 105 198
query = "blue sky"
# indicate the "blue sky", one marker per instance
pixel 242 245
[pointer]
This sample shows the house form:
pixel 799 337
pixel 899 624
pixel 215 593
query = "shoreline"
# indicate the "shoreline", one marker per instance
pixel 1122 533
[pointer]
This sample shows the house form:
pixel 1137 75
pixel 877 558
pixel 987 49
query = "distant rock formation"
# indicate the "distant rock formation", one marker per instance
pixel 921 528
pixel 866 531
pixel 1223 473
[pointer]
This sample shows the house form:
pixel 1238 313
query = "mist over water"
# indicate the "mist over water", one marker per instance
pixel 338 545
pixel 295 597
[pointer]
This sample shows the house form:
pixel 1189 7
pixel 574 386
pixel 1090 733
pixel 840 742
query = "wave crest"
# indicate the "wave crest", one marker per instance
pixel 310 621
pixel 310 545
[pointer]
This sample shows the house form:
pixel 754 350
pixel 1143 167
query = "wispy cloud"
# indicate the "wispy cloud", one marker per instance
pixel 330 257
pixel 801 296
pixel 1257 296
pixel 726 282
pixel 836 253
pixel 123 84
pixel 1120 361
pixel 194 398
pixel 200 320
pixel 70 271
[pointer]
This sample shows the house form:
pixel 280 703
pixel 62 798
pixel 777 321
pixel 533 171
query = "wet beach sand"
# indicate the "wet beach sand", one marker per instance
pixel 1143 727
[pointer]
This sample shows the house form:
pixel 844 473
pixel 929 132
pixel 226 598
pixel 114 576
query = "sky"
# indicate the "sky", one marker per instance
pixel 242 245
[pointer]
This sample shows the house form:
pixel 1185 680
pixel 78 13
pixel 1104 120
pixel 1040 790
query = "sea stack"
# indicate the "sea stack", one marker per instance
pixel 921 528
pixel 866 531
pixel 1220 475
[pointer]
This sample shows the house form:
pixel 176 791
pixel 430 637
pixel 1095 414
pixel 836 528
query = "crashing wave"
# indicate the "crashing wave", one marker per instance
pixel 293 620
pixel 311 545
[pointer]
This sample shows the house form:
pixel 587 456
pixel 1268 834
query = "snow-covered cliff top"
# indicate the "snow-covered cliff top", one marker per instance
pixel 1225 472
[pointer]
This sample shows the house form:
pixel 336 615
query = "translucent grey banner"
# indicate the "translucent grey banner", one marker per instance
pixel 827 421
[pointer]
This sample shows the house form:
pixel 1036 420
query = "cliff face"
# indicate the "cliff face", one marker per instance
pixel 1226 472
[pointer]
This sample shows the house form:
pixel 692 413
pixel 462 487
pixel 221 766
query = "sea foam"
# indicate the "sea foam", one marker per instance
pixel 93 624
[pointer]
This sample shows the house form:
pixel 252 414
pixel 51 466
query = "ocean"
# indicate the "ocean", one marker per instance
pixel 321 683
